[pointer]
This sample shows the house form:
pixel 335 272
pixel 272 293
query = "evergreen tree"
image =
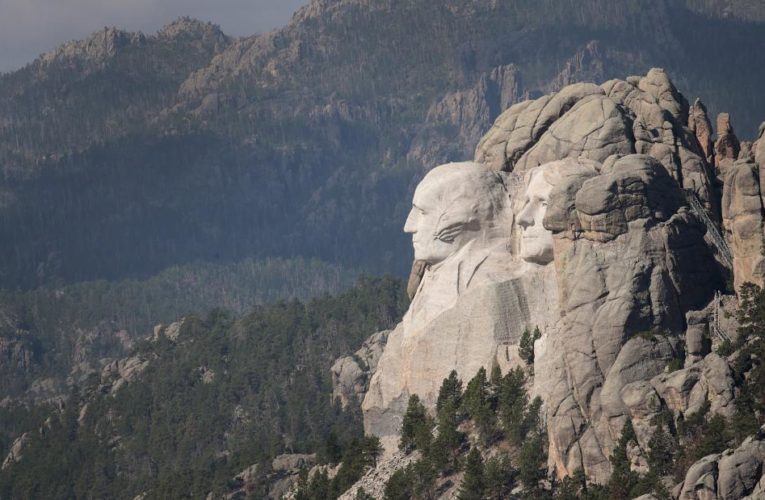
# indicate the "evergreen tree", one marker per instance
pixel 526 346
pixel 499 478
pixel 623 480
pixel 511 403
pixel 477 405
pixel 371 450
pixel 443 453
pixel 496 377
pixel 319 487
pixel 451 390
pixel 532 460
pixel 416 428
pixel 423 478
pixel 473 483
pixel 399 486
pixel 662 447
pixel 361 494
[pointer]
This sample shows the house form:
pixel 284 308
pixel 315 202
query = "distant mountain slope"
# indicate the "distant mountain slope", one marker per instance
pixel 125 154
pixel 52 338
pixel 200 402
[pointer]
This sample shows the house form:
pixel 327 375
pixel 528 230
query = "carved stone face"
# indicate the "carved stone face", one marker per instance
pixel 453 205
pixel 536 241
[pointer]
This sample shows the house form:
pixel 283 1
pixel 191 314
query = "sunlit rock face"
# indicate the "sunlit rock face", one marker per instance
pixel 473 301
pixel 630 258
pixel 586 213
pixel 645 115
pixel 743 221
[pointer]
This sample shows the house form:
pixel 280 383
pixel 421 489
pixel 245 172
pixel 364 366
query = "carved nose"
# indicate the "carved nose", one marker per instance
pixel 526 218
pixel 410 226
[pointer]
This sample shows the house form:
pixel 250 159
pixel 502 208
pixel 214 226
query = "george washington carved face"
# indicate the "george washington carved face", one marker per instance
pixel 453 205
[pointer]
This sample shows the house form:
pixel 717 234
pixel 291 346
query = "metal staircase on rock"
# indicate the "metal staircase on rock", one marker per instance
pixel 712 230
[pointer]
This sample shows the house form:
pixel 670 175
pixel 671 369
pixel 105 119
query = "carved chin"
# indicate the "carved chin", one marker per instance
pixel 536 252
pixel 431 255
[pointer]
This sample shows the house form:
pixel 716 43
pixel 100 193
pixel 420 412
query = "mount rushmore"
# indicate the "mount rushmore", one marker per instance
pixel 607 217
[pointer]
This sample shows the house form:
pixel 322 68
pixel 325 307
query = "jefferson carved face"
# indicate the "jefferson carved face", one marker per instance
pixel 453 205
pixel 536 241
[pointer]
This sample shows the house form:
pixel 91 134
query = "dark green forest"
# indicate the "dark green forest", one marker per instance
pixel 54 332
pixel 170 434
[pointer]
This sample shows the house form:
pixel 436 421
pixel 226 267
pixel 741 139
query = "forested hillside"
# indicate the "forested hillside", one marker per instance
pixel 52 336
pixel 218 395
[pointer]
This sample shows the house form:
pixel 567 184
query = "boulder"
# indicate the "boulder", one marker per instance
pixel 351 374
pixel 688 390
pixel 736 473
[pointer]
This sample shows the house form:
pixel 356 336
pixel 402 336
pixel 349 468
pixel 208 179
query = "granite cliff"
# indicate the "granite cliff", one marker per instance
pixel 605 216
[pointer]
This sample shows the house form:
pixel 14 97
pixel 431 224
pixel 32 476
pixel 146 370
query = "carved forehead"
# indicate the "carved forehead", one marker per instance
pixel 455 181
pixel 562 171
pixel 538 185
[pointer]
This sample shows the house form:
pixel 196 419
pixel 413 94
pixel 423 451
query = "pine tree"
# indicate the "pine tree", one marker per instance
pixel 472 487
pixel 443 453
pixel 371 449
pixel 423 478
pixel 511 402
pixel 399 486
pixel 526 346
pixel 451 390
pixel 361 494
pixel 532 460
pixel 476 393
pixel 319 486
pixel 496 377
pixel 660 458
pixel 623 480
pixel 416 427
pixel 477 405
pixel 499 478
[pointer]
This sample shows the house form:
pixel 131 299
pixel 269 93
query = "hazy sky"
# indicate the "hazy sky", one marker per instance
pixel 30 27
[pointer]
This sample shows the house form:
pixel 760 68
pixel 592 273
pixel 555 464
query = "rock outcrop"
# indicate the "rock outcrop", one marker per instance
pixel 731 474
pixel 373 482
pixel 641 115
pixel 281 478
pixel 759 150
pixel 122 371
pixel 698 122
pixel 464 114
pixel 610 244
pixel 626 280
pixel 744 221
pixel 727 146
pixel 351 374
pixel 15 454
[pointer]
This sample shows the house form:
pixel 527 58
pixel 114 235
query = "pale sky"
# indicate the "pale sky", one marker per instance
pixel 29 28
